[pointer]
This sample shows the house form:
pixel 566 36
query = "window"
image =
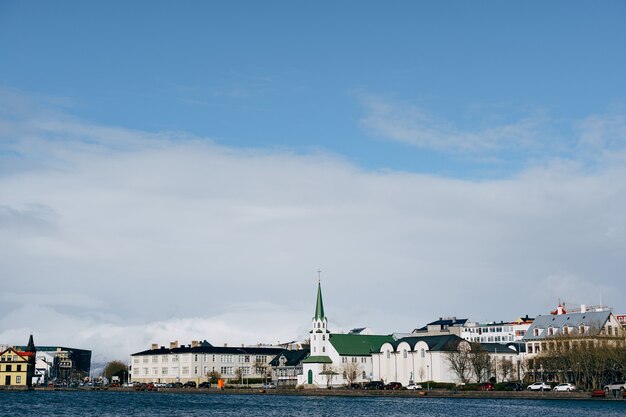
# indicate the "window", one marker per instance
pixel 323 348
pixel 353 360
pixel 530 348
pixel 565 329
pixel 195 370
pixel 536 333
pixel 581 329
pixel 323 337
pixel 195 358
pixel 344 360
pixel 155 371
pixel 135 360
pixel 550 331
pixel 145 359
pixel 164 359
pixel 388 355
pixel 9 368
pixel 18 379
pixel 155 359
pixel 423 353
pixel 185 370
pixel 404 355
pixel 19 368
pixel 363 360
pixel 175 370
pixel 145 371
pixel 164 371
pixel 364 375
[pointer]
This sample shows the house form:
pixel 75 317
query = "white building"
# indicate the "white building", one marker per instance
pixel 333 355
pixel 195 361
pixel 503 332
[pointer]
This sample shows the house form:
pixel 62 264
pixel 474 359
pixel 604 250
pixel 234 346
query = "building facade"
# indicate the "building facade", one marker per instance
pixel 287 367
pixel 17 367
pixel 194 362
pixel 502 332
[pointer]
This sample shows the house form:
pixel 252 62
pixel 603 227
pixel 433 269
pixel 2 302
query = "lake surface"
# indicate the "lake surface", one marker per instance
pixel 106 403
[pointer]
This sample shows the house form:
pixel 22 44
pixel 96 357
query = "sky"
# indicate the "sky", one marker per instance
pixel 182 170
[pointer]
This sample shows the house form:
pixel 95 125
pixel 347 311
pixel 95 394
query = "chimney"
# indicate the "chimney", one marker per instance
pixel 154 346
pixel 225 344
pixel 242 345
pixel 195 343
pixel 174 344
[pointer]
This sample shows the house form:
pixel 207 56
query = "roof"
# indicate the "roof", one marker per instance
pixel 357 344
pixel 319 305
pixel 497 348
pixel 292 357
pixel 317 359
pixel 444 322
pixel 448 342
pixel 212 350
pixel 594 319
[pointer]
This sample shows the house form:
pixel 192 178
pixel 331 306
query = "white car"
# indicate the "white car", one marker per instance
pixel 414 386
pixel 567 387
pixel 539 386
pixel 615 386
pixel 269 385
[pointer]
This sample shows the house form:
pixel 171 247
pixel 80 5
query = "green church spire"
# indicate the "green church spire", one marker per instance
pixel 319 306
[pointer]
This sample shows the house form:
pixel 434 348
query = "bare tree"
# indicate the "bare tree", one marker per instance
pixel 350 371
pixel 421 372
pixel 460 363
pixel 480 362
pixel 505 368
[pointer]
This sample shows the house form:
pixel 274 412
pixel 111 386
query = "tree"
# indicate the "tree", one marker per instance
pixel 480 362
pixel 238 375
pixel 350 371
pixel 421 373
pixel 505 368
pixel 213 376
pixel 459 361
pixel 116 368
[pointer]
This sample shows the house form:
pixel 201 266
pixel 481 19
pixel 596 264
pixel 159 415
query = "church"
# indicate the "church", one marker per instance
pixel 338 359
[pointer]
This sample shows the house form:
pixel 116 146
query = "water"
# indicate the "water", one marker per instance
pixel 106 404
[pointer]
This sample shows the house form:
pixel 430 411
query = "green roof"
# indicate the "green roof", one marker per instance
pixel 317 359
pixel 357 344
pixel 319 306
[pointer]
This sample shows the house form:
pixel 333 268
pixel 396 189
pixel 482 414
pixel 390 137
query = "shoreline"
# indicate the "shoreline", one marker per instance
pixel 506 395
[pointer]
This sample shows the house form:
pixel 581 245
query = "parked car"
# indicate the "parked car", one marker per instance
pixel 393 386
pixel 269 385
pixel 177 385
pixel 513 386
pixel 189 384
pixel 160 384
pixel 485 386
pixel 615 386
pixel 414 386
pixel 204 384
pixel 374 385
pixel 598 393
pixel 539 386
pixel 567 387
pixel 355 385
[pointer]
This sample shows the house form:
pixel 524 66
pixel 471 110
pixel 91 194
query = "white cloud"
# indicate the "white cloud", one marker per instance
pixel 142 238
pixel 413 125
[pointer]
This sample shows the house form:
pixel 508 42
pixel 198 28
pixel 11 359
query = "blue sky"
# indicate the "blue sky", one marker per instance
pixel 169 170
pixel 299 75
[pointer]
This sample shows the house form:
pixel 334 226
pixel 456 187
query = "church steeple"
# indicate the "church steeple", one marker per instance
pixel 31 344
pixel 319 306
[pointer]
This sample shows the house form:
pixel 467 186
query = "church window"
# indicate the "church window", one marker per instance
pixel 423 353
pixel 323 337
pixel 314 349
pixel 388 355
pixel 323 348
pixel 404 354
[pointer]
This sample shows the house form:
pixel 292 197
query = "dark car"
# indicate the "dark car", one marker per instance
pixel 374 385
pixel 393 386
pixel 177 385
pixel 189 384
pixel 485 386
pixel 355 385
pixel 513 386
pixel 204 384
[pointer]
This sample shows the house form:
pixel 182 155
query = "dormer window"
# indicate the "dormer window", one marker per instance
pixel 550 331
pixel 536 331
pixel 581 329
pixel 565 329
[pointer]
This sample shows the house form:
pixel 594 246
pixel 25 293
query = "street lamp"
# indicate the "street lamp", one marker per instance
pixel 247 377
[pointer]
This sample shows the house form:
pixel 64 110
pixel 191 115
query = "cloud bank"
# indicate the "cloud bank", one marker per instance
pixel 112 239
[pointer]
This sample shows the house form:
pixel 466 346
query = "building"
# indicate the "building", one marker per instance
pixel 582 325
pixel 194 362
pixel 17 366
pixel 445 325
pixel 336 359
pixel 417 359
pixel 621 319
pixel 493 332
pixel 287 367
pixel 61 364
